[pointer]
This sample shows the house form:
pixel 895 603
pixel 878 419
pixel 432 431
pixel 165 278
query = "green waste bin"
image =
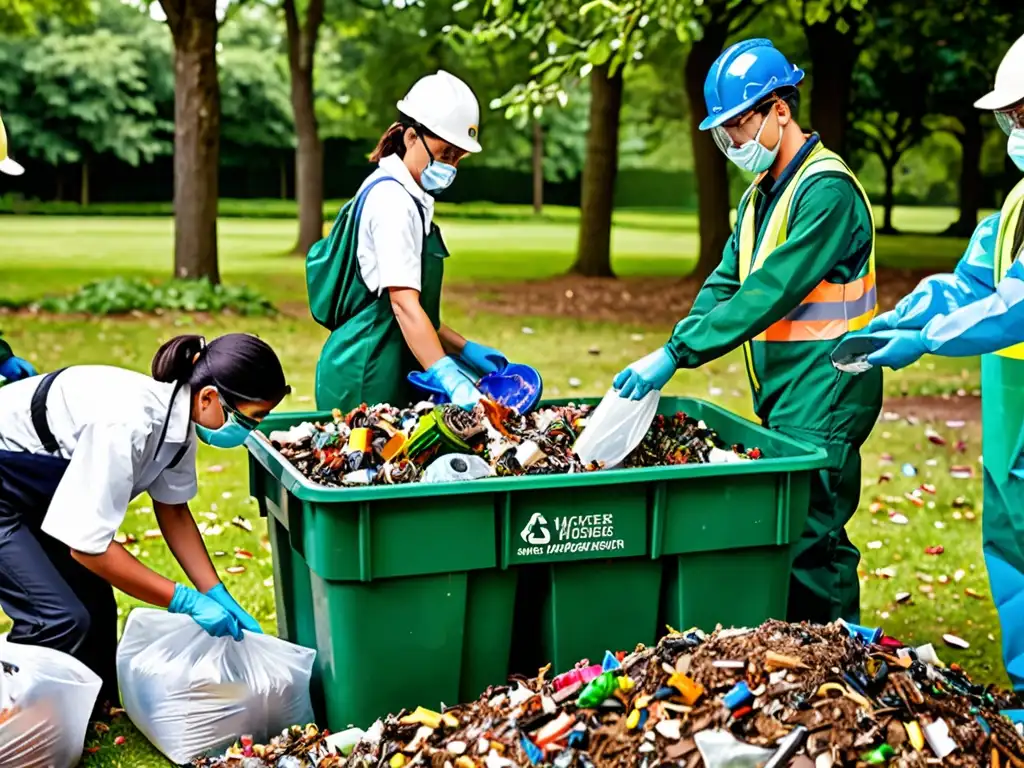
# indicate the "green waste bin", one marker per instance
pixel 408 592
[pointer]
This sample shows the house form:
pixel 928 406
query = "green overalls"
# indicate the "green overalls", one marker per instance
pixel 796 275
pixel 1002 421
pixel 365 359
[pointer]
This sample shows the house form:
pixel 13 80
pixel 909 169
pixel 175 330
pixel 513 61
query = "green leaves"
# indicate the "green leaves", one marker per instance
pixel 121 296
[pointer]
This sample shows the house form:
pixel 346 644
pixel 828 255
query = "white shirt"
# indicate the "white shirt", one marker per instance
pixel 391 228
pixel 107 421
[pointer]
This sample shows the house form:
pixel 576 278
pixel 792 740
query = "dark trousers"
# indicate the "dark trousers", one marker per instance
pixel 53 600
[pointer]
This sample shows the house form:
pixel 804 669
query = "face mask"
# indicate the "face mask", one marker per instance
pixel 437 176
pixel 231 435
pixel 754 156
pixel 1015 147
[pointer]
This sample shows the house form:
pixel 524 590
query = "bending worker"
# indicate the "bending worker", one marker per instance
pixel 979 310
pixel 797 274
pixel 76 446
pixel 375 281
pixel 12 368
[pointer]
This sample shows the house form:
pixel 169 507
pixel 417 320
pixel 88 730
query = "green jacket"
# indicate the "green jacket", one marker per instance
pixel 830 237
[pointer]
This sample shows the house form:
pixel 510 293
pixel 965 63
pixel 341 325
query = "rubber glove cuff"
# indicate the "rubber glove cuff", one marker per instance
pixel 483 358
pixel 901 349
pixel 220 593
pixel 460 388
pixel 16 368
pixel 646 374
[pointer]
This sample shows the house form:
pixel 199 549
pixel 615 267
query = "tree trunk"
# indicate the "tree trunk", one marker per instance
pixel 833 56
pixel 85 183
pixel 538 168
pixel 970 175
pixel 889 200
pixel 709 163
pixel 593 258
pixel 196 142
pixel 309 161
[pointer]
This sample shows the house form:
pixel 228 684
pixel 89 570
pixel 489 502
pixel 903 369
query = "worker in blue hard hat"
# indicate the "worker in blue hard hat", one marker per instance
pixel 979 310
pixel 796 275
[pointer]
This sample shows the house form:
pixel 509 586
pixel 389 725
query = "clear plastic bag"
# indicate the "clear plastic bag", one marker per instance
pixel 615 428
pixel 192 694
pixel 44 707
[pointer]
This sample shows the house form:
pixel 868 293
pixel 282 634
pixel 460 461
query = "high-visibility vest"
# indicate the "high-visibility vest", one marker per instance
pixel 830 309
pixel 1008 246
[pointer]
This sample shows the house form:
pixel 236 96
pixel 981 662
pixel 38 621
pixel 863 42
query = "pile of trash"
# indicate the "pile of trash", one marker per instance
pixel 779 695
pixel 435 443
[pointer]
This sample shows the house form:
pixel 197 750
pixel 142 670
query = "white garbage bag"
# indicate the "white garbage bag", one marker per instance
pixel 192 694
pixel 46 698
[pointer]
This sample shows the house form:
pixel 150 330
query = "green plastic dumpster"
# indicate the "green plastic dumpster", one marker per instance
pixel 408 592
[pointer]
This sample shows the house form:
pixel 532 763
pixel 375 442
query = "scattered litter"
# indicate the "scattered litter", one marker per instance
pixel 934 437
pixel 974 593
pixel 961 472
pixel 957 424
pixel 527 330
pixel 594 350
pixel 934 550
pixel 575 383
pixel 234 570
pixel 902 597
pixel 838 699
pixel 241 522
pixel 153 533
pixel 908 470
pixel 874 545
pixel 956 642
pixel 898 519
pixel 215 468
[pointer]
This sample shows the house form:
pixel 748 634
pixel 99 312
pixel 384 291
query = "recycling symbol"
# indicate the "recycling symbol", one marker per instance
pixel 536 531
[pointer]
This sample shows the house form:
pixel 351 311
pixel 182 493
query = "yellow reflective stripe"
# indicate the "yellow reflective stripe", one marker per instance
pixel 1010 215
pixel 748 358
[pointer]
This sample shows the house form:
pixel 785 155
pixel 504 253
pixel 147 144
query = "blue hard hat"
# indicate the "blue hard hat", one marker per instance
pixel 744 75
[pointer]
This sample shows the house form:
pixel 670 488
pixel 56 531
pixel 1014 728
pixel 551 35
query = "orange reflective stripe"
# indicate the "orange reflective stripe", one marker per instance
pixel 814 330
pixel 832 292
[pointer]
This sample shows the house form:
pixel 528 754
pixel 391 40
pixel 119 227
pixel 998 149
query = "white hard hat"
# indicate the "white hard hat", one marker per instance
pixel 445 106
pixel 7 165
pixel 1009 80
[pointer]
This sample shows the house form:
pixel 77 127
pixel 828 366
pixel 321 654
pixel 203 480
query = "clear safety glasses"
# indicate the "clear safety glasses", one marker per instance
pixel 740 130
pixel 1011 118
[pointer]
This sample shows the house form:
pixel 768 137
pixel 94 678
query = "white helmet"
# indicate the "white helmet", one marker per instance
pixel 1009 81
pixel 445 106
pixel 7 165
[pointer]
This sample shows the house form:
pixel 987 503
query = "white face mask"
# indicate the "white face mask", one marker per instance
pixel 754 156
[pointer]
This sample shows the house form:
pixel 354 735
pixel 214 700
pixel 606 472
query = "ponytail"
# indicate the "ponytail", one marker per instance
pixel 176 359
pixel 241 366
pixel 391 143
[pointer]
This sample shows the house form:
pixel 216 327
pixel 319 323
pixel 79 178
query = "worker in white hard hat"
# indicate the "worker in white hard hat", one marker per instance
pixel 12 367
pixel 375 281
pixel 979 310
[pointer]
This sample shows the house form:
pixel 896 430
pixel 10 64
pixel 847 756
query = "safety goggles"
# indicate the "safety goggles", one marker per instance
pixel 744 128
pixel 1011 118
pixel 240 418
pixel 449 154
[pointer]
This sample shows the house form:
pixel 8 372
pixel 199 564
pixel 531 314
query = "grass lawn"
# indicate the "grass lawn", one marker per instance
pixel 44 255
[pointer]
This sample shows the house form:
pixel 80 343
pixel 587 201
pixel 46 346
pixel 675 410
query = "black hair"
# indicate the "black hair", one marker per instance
pixel 790 95
pixel 393 140
pixel 242 367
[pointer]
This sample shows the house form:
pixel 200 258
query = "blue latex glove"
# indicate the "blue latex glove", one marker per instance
pixel 223 597
pixel 646 374
pixel 453 380
pixel 15 369
pixel 484 359
pixel 207 612
pixel 902 348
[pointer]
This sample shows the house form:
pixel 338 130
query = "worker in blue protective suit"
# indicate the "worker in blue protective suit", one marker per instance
pixel 979 310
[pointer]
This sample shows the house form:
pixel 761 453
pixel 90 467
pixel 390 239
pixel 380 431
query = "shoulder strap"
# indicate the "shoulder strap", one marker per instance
pixel 361 199
pixel 38 410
